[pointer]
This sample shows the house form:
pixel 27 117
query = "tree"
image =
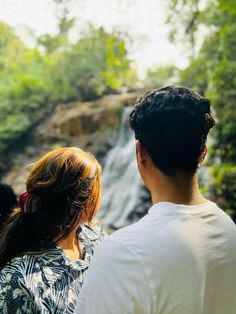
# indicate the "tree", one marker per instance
pixel 60 41
pixel 185 16
pixel 160 76
pixel 213 72
pixel 23 86
pixel 96 64
pixel 35 82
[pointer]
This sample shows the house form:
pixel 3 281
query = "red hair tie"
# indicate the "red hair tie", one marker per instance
pixel 22 201
pixel 29 203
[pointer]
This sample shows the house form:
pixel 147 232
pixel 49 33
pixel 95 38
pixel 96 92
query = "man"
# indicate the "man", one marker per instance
pixel 181 257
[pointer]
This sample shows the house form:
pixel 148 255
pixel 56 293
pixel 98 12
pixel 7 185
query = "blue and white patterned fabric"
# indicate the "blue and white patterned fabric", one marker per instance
pixel 49 282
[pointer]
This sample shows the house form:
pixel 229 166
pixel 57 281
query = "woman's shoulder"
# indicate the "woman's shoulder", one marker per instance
pixel 16 266
pixel 92 233
pixel 15 263
pixel 12 272
pixel 15 296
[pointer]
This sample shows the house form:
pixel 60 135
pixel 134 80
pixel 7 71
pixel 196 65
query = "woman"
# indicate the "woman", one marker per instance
pixel 47 244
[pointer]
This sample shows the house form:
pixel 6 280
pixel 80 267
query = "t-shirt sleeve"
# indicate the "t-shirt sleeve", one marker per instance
pixel 14 296
pixel 116 283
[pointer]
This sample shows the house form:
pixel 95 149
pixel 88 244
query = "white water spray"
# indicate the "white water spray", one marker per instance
pixel 121 183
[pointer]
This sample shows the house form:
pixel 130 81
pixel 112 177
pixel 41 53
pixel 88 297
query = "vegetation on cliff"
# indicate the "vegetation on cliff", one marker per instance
pixel 34 80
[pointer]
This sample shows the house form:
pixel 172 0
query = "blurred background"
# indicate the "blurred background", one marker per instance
pixel 70 70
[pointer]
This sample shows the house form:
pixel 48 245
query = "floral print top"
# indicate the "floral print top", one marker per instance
pixel 49 282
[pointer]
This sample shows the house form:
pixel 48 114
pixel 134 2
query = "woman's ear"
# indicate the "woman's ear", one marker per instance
pixel 203 155
pixel 140 153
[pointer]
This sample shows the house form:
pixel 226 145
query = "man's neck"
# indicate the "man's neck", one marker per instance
pixel 180 189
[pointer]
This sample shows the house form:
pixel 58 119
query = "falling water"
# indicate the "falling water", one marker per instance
pixel 123 191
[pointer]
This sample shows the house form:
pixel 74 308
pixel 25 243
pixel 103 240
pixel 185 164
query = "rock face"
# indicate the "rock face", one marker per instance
pixel 92 126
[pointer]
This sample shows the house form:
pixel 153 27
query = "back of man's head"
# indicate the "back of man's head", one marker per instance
pixel 172 124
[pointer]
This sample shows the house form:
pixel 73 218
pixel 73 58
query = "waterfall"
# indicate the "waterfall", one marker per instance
pixel 122 188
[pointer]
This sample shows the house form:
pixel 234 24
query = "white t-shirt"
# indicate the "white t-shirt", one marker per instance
pixel 176 260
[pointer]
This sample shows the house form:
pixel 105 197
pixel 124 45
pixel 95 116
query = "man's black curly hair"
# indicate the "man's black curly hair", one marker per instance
pixel 172 124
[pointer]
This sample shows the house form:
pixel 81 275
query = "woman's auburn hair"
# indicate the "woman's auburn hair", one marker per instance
pixel 64 189
pixel 70 173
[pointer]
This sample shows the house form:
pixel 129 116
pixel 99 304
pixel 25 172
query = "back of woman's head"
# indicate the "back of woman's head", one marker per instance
pixel 63 191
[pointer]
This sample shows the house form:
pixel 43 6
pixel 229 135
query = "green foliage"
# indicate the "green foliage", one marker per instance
pixel 184 16
pixel 225 187
pixel 160 76
pixel 95 65
pixel 60 41
pixel 213 72
pixel 32 82
pixel 23 86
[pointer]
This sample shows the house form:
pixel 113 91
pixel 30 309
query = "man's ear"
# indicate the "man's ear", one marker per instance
pixel 203 155
pixel 141 153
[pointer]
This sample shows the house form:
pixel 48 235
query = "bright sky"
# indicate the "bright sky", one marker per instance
pixel 143 19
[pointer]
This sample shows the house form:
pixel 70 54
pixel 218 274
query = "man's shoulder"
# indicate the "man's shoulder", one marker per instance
pixel 135 238
pixel 134 230
pixel 152 223
pixel 168 226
